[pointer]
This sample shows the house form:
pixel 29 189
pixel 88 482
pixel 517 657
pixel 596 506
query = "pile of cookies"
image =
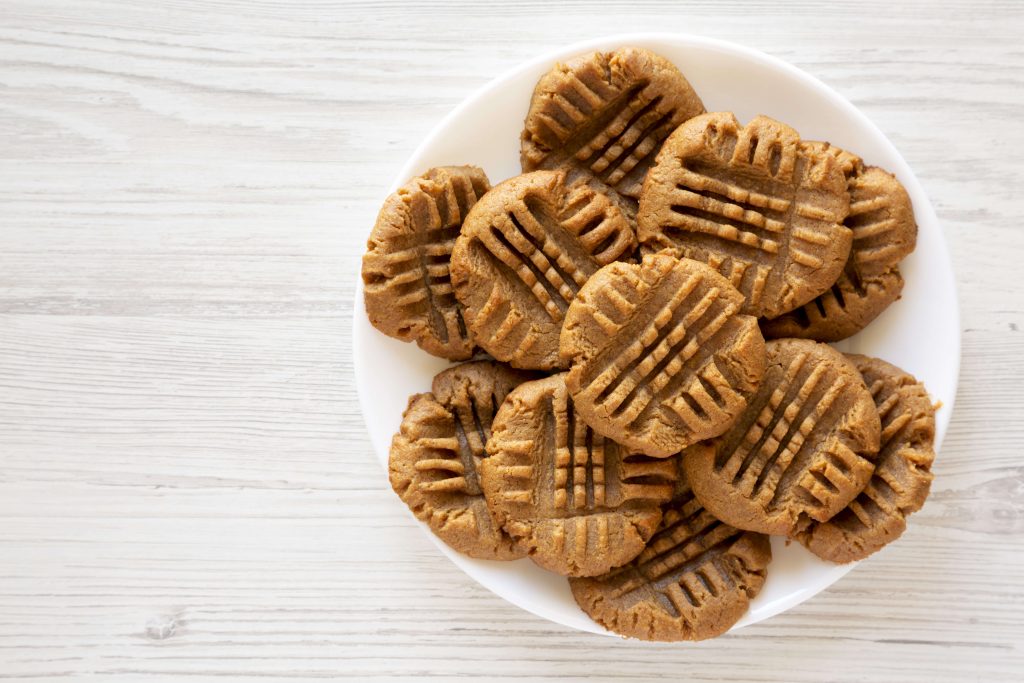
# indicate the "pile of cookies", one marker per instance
pixel 624 421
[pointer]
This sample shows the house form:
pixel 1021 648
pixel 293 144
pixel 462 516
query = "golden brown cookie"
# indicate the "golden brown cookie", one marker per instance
pixel 661 357
pixel 602 117
pixel 804 448
pixel 755 202
pixel 902 476
pixel 581 504
pixel 435 457
pixel 884 233
pixel 525 250
pixel 694 580
pixel 406 281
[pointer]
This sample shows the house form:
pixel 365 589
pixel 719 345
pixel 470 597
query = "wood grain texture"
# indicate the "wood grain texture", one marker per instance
pixel 187 492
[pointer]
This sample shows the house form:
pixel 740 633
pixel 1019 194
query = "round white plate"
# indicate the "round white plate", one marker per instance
pixel 920 333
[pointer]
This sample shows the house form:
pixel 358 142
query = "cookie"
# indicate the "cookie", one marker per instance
pixel 602 118
pixel 407 286
pixel 661 356
pixel 525 250
pixel 693 581
pixel 580 504
pixel 804 448
pixel 755 202
pixel 884 233
pixel 435 459
pixel 902 476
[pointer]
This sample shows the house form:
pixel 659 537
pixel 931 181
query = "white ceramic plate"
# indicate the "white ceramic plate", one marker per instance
pixel 920 333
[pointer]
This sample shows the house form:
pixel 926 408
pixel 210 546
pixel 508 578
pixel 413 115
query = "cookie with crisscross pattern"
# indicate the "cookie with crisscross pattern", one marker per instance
pixel 754 202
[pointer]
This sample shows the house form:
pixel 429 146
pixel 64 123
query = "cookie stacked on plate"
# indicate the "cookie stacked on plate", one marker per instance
pixel 624 421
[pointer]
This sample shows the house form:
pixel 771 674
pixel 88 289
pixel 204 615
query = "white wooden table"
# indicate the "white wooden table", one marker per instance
pixel 186 488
